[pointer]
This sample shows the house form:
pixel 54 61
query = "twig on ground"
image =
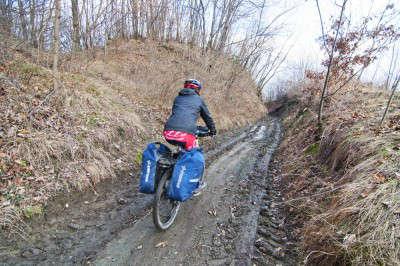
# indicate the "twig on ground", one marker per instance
pixel 316 251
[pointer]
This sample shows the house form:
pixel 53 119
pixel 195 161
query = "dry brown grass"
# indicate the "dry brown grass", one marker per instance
pixel 107 108
pixel 343 190
pixel 154 72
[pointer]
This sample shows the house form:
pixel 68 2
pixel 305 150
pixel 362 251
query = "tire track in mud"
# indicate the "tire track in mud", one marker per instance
pixel 217 228
pixel 73 235
pixel 272 245
pixel 257 181
pixel 187 240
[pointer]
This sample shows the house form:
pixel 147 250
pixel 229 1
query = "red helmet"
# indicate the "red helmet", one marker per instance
pixel 192 84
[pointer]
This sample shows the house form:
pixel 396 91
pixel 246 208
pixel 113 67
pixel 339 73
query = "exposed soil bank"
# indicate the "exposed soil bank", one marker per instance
pixel 341 181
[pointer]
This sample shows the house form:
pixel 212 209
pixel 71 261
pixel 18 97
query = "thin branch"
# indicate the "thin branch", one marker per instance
pixel 394 87
pixel 322 25
pixel 346 82
pixel 321 102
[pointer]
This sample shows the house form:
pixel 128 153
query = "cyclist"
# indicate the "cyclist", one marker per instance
pixel 181 126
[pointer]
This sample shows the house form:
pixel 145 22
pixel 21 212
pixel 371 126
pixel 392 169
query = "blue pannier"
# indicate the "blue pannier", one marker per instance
pixel 187 173
pixel 149 166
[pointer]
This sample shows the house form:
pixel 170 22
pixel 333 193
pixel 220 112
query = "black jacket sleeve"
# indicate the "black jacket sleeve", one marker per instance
pixel 206 116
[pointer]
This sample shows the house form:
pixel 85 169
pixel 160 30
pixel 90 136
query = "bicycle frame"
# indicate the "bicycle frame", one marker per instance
pixel 165 166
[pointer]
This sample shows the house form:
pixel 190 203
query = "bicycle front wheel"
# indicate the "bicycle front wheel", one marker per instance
pixel 165 210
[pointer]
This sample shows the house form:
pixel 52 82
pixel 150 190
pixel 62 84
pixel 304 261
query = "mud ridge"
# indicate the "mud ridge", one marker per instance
pixel 273 245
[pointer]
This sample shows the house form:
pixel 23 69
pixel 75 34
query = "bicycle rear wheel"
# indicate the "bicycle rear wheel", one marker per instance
pixel 165 210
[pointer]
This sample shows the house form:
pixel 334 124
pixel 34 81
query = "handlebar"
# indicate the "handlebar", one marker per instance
pixel 202 132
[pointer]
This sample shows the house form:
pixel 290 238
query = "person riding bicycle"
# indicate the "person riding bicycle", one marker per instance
pixel 181 126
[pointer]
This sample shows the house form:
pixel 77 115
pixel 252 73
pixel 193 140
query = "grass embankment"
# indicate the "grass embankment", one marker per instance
pixel 342 188
pixel 98 121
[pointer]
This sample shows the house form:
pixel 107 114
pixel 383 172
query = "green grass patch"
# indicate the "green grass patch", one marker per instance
pixel 385 152
pixel 121 132
pixel 34 210
pixel 26 70
pixel 13 195
pixel 313 149
pixel 22 163
pixel 138 158
pixel 93 91
pixel 95 120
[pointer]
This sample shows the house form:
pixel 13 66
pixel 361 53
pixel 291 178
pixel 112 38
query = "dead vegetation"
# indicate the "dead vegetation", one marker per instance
pixel 95 125
pixel 342 188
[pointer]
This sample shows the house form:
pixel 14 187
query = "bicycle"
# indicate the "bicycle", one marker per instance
pixel 164 216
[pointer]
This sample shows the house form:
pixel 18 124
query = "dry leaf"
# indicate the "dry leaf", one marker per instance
pixel 18 180
pixel 379 178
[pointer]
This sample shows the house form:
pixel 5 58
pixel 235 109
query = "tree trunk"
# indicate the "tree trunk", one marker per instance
pixel 22 19
pixel 87 26
pixel 210 44
pixel 5 16
pixel 178 21
pixel 394 87
pixel 203 26
pixel 231 10
pixel 150 21
pixel 135 18
pixel 122 20
pixel 56 41
pixel 76 39
pixel 33 23
pixel 321 101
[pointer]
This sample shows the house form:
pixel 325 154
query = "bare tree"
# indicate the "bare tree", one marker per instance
pixel 56 41
pixel 389 80
pixel 324 88
pixel 209 24
pixel 6 16
pixel 356 47
pixel 393 90
pixel 32 22
pixel 22 19
pixel 76 39
pixel 392 67
pixel 135 18
pixel 46 13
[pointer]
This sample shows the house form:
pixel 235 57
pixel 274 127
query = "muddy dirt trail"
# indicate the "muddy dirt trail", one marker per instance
pixel 231 223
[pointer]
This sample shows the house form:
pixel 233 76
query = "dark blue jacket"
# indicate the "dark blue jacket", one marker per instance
pixel 187 108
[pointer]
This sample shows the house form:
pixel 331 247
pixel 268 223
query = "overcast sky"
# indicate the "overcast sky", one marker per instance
pixel 303 28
